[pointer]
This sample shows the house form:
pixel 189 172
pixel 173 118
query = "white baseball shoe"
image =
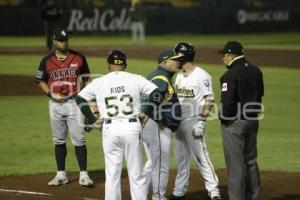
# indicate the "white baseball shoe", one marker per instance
pixel 59 179
pixel 85 180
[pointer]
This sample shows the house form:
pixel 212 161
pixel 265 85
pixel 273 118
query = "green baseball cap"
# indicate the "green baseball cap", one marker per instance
pixel 168 54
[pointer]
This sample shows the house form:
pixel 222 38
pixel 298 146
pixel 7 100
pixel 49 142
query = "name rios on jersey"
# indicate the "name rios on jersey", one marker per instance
pixel 119 89
pixel 63 73
pixel 185 92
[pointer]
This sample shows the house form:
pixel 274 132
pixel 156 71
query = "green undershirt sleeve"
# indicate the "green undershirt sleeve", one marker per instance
pixel 86 109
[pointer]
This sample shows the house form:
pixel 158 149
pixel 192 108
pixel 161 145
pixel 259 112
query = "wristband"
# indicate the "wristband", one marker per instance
pixel 49 94
pixel 201 118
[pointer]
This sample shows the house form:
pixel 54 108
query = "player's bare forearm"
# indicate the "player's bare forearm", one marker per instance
pixel 85 81
pixel 55 96
pixel 207 107
pixel 43 86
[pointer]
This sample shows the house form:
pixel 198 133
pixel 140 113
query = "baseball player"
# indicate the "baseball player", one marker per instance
pixel 194 89
pixel 118 95
pixel 157 132
pixel 57 77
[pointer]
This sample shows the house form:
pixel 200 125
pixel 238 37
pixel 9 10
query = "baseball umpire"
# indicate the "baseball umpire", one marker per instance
pixel 157 132
pixel 193 86
pixel 58 77
pixel 118 96
pixel 242 90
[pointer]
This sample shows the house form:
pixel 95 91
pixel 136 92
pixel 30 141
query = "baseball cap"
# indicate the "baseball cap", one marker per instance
pixel 233 47
pixel 61 34
pixel 168 55
pixel 116 57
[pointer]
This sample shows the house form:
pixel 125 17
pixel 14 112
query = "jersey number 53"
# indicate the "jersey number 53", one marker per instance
pixel 112 105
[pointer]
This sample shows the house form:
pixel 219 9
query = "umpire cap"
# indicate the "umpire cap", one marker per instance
pixel 61 34
pixel 116 57
pixel 232 47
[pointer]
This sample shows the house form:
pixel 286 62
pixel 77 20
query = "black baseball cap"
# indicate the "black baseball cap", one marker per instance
pixel 116 57
pixel 168 55
pixel 61 34
pixel 233 47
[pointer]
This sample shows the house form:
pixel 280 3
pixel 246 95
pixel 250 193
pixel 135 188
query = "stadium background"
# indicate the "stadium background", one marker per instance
pixel 268 29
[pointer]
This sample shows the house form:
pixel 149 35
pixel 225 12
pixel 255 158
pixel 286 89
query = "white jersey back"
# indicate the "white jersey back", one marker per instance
pixel 118 94
pixel 191 91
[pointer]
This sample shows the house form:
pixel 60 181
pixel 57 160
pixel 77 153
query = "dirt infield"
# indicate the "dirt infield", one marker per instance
pixel 24 85
pixel 261 57
pixel 12 85
pixel 275 186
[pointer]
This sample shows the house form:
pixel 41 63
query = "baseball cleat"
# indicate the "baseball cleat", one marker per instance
pixel 58 180
pixel 216 198
pixel 85 180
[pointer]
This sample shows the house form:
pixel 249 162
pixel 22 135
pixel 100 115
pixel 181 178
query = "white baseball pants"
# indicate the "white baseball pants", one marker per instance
pixel 122 138
pixel 185 145
pixel 157 165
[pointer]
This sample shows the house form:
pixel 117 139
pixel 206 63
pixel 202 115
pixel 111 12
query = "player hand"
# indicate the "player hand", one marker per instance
pixel 198 129
pixel 57 97
pixel 98 124
pixel 143 118
pixel 161 126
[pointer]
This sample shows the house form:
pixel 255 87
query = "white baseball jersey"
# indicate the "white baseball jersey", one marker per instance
pixel 191 91
pixel 118 97
pixel 118 94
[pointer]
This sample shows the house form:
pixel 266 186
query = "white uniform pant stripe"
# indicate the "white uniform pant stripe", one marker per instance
pixel 206 155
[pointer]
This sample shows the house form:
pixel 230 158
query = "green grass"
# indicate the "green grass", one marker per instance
pixel 262 40
pixel 26 144
pixel 28 65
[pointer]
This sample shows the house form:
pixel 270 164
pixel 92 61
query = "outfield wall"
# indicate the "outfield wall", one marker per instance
pixel 159 19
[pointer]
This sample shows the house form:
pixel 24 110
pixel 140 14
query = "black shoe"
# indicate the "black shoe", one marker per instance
pixel 216 198
pixel 173 197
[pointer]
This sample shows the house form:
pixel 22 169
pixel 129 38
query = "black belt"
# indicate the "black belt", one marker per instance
pixel 130 120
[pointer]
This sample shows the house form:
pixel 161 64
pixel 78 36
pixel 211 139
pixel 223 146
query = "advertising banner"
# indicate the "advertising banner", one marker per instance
pixel 158 20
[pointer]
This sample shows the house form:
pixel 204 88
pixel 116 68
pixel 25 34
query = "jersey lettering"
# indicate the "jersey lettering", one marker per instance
pixel 185 92
pixel 62 73
pixel 116 90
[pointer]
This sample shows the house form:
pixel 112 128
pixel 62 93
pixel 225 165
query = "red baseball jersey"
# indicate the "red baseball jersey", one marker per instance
pixel 62 76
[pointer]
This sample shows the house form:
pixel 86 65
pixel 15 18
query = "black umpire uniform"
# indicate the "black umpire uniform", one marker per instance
pixel 242 90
